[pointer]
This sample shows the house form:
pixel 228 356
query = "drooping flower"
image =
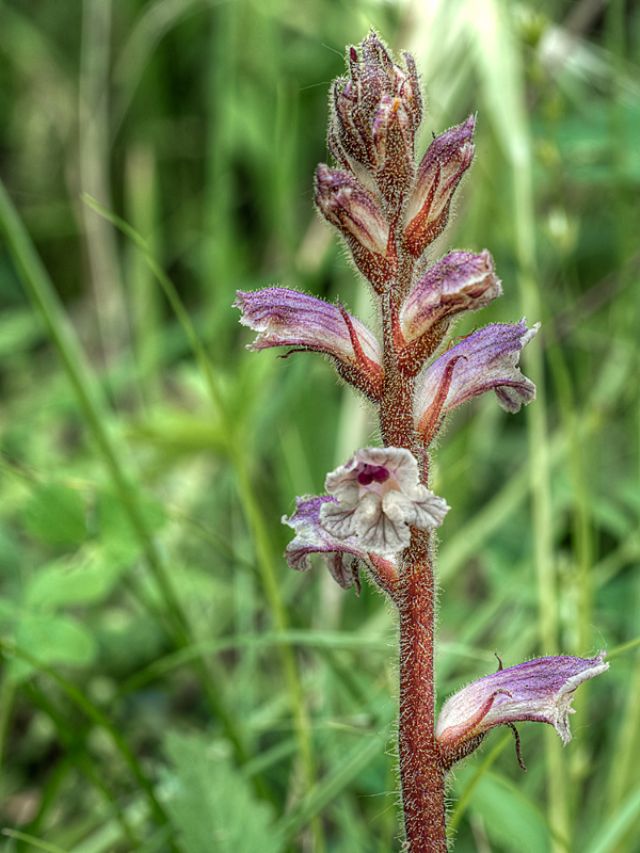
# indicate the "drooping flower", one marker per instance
pixel 288 318
pixel 461 281
pixel 444 164
pixel 378 497
pixel 311 538
pixel 539 690
pixel 485 360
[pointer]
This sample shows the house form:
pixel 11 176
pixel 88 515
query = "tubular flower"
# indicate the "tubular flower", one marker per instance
pixel 486 360
pixel 378 497
pixel 539 690
pixel 355 213
pixel 461 281
pixel 289 318
pixel 444 164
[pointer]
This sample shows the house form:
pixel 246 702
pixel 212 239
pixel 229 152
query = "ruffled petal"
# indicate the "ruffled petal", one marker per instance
pixel 539 690
pixel 312 538
pixel 486 360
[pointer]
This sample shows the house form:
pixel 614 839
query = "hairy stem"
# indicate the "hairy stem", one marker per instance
pixel 422 773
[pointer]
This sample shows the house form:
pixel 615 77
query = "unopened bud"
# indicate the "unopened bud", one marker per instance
pixel 347 205
pixel 440 171
pixel 376 112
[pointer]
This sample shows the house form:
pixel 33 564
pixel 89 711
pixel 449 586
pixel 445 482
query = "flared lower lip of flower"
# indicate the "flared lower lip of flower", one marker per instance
pixel 378 498
pixel 311 538
pixel 485 360
pixel 284 317
pixel 539 690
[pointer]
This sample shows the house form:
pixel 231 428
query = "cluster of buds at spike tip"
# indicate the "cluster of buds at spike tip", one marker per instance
pixel 388 213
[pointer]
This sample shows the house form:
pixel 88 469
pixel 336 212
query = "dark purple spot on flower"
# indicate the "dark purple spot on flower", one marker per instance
pixel 372 474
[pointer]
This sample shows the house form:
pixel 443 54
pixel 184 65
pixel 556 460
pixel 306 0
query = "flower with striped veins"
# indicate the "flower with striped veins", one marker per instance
pixel 485 360
pixel 372 502
pixel 289 318
pixel 378 497
pixel 539 690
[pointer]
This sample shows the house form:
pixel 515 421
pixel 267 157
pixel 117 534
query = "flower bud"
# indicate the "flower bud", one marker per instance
pixel 354 212
pixel 461 281
pixel 439 173
pixel 376 112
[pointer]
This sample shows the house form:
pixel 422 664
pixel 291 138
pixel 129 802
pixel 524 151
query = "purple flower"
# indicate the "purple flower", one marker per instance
pixel 379 496
pixel 439 173
pixel 540 690
pixel 461 281
pixel 485 360
pixel 344 203
pixel 289 318
pixel 311 538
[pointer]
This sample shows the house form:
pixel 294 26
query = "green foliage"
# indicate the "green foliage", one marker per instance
pixel 158 156
pixel 211 805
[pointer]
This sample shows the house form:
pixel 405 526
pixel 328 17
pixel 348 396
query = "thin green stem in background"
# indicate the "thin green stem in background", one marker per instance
pixel 46 302
pixel 248 499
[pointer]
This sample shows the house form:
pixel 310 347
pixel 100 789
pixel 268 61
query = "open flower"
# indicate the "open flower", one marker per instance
pixel 484 361
pixel 378 497
pixel 539 690
pixel 288 318
pixel 311 538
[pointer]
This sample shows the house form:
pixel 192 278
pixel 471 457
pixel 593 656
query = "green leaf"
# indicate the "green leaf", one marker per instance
pixel 55 515
pixel 212 806
pixel 84 579
pixel 51 639
pixel 510 818
pixel 116 532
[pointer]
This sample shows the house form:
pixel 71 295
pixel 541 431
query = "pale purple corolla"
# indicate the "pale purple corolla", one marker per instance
pixel 461 281
pixel 539 690
pixel 289 318
pixel 440 171
pixel 312 538
pixel 485 360
pixel 373 501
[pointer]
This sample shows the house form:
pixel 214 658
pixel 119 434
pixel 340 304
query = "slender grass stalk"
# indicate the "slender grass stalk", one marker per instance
pixel 93 713
pixel 248 499
pixel 46 302
pixel 510 112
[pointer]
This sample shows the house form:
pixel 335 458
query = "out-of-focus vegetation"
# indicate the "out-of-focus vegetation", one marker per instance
pixel 167 683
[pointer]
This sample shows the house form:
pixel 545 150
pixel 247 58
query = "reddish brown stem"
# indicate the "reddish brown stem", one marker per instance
pixel 422 770
pixel 422 775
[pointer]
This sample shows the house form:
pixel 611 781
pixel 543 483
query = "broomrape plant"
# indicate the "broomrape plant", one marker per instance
pixel 378 515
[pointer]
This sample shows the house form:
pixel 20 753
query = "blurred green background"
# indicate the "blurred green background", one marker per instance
pixel 167 683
